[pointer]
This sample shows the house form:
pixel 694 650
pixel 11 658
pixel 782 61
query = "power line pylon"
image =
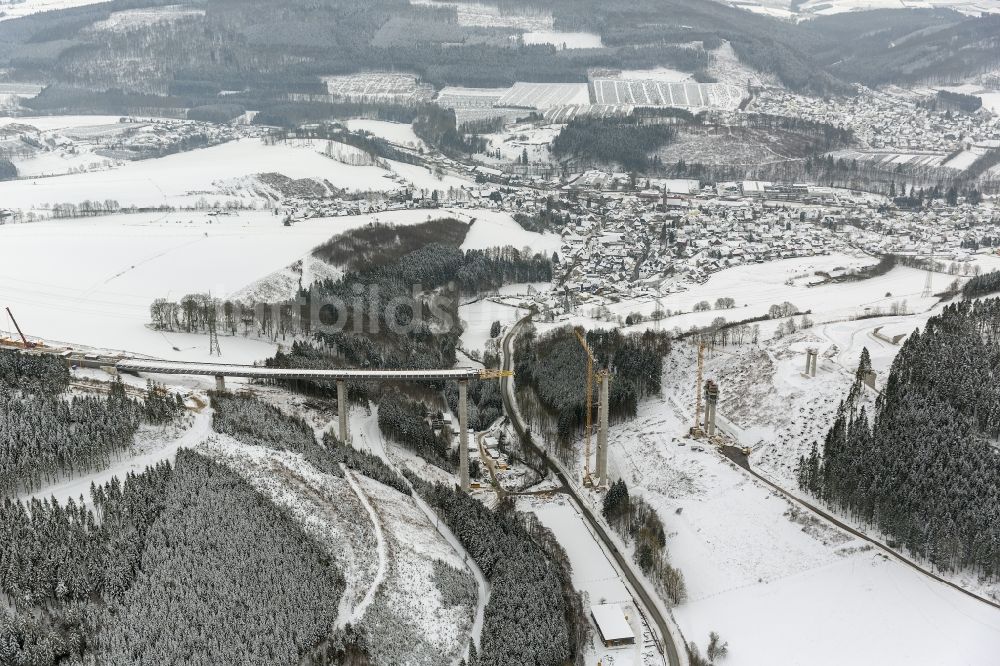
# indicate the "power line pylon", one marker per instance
pixel 927 285
pixel 213 338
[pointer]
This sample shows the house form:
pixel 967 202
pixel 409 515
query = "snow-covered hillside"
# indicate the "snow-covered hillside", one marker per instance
pixel 779 585
pixel 90 281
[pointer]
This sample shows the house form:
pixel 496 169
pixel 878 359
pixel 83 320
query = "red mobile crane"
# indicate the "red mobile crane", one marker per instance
pixel 27 344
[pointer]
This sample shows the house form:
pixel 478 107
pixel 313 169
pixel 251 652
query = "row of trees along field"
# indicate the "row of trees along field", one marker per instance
pixel 365 141
pixel 45 435
pixel 923 467
pixel 637 522
pixel 534 616
pixel 370 316
pixel 554 367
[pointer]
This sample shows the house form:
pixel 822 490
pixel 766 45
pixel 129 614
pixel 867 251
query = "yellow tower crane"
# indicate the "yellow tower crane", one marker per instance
pixel 696 430
pixel 590 402
pixel 487 373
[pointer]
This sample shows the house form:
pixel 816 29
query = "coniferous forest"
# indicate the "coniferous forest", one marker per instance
pixel 402 420
pixel 554 365
pixel 62 566
pixel 923 467
pixel 982 285
pixel 45 436
pixel 226 576
pixel 533 617
pixel 627 142
pixel 257 423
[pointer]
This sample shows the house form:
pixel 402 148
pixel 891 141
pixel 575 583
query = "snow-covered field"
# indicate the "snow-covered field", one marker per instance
pixel 969 7
pixel 399 133
pixel 131 19
pixel 778 586
pixel 478 14
pixel 10 10
pixel 593 571
pixel 991 100
pixel 755 287
pixel 183 179
pixel 46 123
pixel 492 228
pixel 477 318
pixel 665 74
pixel 962 161
pixel 516 140
pixel 90 281
pixel 11 94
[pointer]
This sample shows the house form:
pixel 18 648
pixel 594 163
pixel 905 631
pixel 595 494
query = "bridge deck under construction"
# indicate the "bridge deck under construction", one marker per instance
pixel 250 371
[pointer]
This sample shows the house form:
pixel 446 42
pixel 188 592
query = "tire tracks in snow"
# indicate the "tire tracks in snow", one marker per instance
pixel 372 437
pixel 358 611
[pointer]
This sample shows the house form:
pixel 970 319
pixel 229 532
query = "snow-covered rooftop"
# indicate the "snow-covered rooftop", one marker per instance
pixel 612 623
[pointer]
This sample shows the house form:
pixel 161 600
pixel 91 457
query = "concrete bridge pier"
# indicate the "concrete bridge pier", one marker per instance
pixel 812 356
pixel 711 401
pixel 602 429
pixel 344 432
pixel 463 435
pixel 220 383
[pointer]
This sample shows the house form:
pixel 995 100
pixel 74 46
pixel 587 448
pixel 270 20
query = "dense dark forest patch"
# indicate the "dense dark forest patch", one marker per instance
pixel 60 565
pixel 377 245
pixel 255 422
pixel 623 141
pixel 532 596
pixel 403 421
pixel 982 285
pixel 923 467
pixel 554 365
pixel 439 128
pixel 226 575
pixel 960 101
pixel 45 435
pixel 484 399
pixel 7 169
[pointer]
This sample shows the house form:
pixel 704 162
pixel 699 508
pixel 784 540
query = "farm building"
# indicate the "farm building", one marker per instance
pixel 612 625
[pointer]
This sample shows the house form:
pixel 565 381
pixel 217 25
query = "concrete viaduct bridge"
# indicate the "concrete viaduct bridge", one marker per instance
pixel 220 371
